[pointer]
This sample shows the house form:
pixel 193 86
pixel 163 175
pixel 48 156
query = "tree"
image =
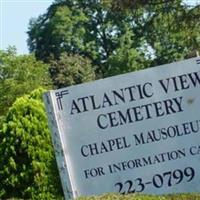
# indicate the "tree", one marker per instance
pixel 28 168
pixel 162 32
pixel 126 58
pixel 64 28
pixel 19 75
pixel 78 27
pixel 70 70
pixel 120 5
pixel 173 34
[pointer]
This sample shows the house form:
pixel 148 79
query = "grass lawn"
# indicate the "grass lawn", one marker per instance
pixel 143 197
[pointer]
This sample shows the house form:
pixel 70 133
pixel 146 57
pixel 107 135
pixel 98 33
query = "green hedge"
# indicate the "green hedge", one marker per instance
pixel 143 197
pixel 27 164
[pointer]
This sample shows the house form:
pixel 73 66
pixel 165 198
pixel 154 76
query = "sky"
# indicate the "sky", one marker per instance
pixel 14 20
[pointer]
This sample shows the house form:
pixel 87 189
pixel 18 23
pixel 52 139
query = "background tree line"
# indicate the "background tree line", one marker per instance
pixel 77 41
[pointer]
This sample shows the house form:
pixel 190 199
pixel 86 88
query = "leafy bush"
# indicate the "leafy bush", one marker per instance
pixel 19 75
pixel 28 167
pixel 71 70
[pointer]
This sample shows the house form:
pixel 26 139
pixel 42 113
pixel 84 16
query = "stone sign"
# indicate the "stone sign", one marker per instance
pixel 136 132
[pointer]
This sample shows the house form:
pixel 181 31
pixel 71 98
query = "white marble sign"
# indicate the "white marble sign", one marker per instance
pixel 137 132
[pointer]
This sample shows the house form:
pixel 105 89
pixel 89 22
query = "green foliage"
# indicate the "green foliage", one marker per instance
pixel 143 197
pixel 82 27
pixel 71 70
pixel 126 58
pixel 172 33
pixel 61 29
pixel 146 35
pixel 28 167
pixel 19 75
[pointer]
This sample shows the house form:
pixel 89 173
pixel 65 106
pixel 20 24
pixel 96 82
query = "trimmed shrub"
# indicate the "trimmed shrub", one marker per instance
pixel 28 167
